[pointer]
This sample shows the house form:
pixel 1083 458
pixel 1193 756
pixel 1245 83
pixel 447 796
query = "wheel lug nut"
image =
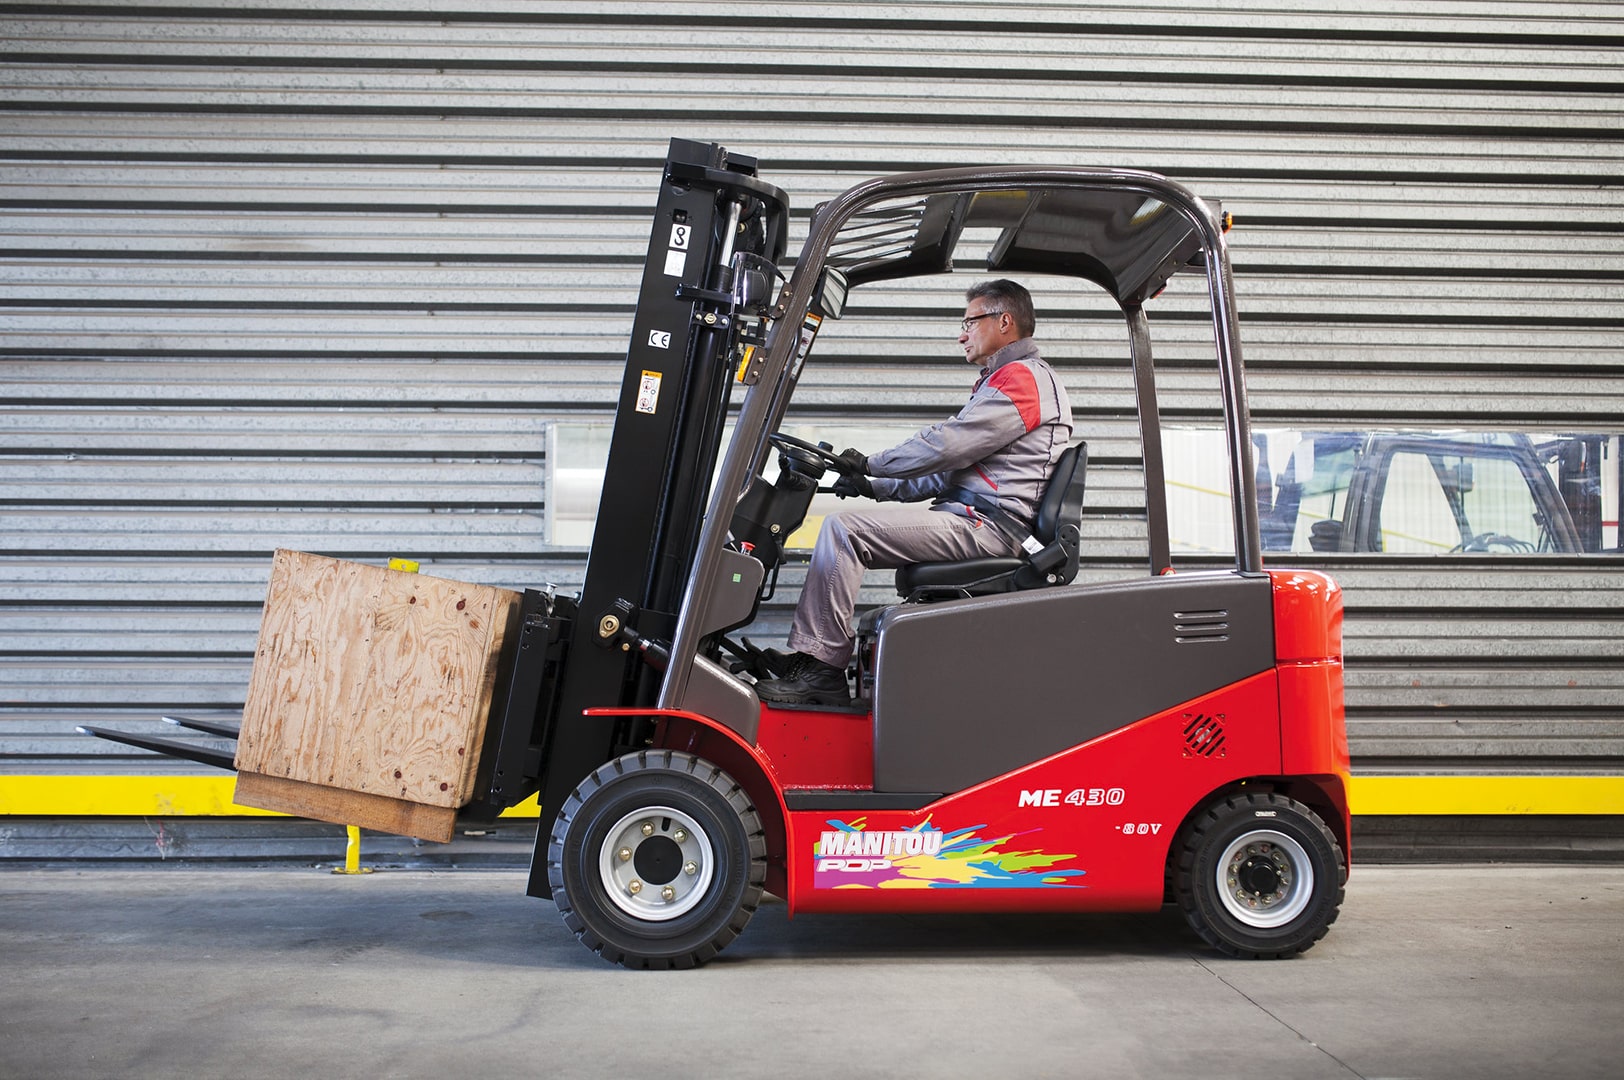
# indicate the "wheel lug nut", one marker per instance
pixel 668 894
pixel 635 887
pixel 648 828
pixel 679 836
pixel 625 854
pixel 690 868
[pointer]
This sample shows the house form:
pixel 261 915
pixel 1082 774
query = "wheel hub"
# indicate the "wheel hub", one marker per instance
pixel 658 860
pixel 1264 878
pixel 1260 876
pixel 656 863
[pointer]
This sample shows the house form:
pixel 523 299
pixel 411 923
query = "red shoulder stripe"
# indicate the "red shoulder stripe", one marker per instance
pixel 1015 382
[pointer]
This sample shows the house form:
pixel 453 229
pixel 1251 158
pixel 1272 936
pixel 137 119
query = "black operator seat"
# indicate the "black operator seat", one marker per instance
pixel 1058 529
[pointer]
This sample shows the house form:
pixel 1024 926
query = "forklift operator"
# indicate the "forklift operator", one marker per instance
pixel 985 470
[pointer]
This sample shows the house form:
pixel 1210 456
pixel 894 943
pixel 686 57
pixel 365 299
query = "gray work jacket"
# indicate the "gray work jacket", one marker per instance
pixel 998 450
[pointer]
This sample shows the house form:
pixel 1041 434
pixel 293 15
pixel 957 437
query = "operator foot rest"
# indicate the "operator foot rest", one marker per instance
pixel 857 707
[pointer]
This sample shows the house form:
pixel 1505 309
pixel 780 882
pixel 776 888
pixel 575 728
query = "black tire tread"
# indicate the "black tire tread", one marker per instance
pixel 719 782
pixel 1213 816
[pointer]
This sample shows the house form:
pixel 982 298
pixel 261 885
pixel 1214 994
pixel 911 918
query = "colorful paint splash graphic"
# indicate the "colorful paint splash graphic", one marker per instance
pixel 850 856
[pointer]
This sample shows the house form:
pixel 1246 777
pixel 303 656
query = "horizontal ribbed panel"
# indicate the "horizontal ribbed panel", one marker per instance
pixel 325 273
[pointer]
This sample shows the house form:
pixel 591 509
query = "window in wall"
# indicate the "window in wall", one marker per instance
pixel 1362 491
pixel 1402 492
pixel 576 455
pixel 1196 462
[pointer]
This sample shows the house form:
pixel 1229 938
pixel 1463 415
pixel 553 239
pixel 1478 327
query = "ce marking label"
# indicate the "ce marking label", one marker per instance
pixel 659 339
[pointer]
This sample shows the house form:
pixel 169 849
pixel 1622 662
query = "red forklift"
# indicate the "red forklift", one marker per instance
pixel 1178 737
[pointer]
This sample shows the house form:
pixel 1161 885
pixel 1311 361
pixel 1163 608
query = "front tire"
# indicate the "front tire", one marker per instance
pixel 657 860
pixel 1259 876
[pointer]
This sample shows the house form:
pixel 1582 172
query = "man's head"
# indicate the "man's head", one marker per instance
pixel 995 314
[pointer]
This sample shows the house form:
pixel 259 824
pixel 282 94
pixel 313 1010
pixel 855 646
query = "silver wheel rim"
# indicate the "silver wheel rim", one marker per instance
pixel 642 849
pixel 1264 879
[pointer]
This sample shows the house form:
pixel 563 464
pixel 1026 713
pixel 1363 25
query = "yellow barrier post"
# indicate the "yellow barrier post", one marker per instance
pixel 352 854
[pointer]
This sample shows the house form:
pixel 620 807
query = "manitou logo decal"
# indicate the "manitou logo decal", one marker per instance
pixel 1094 796
pixel 849 855
pixel 860 852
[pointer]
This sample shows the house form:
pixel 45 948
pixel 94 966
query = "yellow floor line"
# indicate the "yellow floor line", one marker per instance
pixel 74 795
pixel 71 795
pixel 1373 795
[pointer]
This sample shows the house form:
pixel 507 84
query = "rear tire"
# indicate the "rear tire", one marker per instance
pixel 1259 876
pixel 657 860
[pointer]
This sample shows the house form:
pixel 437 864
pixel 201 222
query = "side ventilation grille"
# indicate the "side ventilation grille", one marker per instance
pixel 1204 736
pixel 1194 627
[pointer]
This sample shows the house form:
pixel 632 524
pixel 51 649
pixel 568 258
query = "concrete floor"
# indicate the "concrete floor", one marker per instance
pixel 1476 972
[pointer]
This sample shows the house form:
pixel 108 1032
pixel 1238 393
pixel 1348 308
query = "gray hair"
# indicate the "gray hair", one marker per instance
pixel 1007 296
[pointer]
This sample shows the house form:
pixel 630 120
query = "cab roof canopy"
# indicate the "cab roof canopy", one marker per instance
pixel 1126 242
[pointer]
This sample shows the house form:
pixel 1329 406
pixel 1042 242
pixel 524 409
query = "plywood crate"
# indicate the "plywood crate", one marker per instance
pixel 369 695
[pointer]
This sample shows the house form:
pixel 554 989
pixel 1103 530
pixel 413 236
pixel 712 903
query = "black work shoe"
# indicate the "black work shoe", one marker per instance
pixel 773 661
pixel 808 681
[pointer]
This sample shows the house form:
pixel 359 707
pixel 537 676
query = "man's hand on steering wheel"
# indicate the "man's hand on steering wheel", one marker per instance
pixel 848 485
pixel 852 465
pixel 851 462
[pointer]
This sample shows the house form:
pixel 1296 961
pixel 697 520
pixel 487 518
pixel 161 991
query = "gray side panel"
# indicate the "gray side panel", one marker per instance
pixel 949 713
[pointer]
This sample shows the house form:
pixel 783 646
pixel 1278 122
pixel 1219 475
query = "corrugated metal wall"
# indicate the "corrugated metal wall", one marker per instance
pixel 322 273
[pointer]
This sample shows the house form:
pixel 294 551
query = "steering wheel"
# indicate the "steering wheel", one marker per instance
pixel 827 458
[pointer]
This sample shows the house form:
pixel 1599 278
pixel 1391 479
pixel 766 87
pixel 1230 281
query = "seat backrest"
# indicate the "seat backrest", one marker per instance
pixel 1063 498
pixel 1059 519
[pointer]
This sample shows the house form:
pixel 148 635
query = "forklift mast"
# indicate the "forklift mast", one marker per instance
pixel 668 422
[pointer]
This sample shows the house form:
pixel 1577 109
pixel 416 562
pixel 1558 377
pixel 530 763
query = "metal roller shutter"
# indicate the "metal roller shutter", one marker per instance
pixel 328 273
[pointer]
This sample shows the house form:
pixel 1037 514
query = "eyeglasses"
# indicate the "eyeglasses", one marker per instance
pixel 977 318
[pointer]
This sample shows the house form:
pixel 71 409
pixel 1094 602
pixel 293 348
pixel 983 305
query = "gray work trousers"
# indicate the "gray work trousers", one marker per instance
pixel 883 539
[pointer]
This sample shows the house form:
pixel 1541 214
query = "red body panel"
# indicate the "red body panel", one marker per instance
pixel 1307 615
pixel 812 749
pixel 1313 729
pixel 1086 829
pixel 1308 651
